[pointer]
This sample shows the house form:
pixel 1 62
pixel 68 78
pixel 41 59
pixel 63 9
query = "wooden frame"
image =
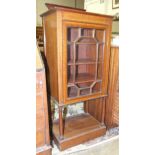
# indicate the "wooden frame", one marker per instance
pixel 115 4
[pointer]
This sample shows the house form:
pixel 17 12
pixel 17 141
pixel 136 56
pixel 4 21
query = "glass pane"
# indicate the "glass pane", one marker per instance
pixel 83 85
pixel 72 91
pixel 70 53
pixel 100 35
pixel 70 74
pixel 87 32
pixel 101 51
pixel 85 68
pixel 86 40
pixel 72 34
pixel 99 71
pixel 85 73
pixel 86 52
pixel 97 87
pixel 85 91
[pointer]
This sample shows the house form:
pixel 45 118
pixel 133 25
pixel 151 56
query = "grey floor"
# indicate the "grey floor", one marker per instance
pixel 105 145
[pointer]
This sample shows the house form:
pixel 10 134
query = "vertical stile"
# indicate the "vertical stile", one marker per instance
pixel 79 35
pixel 96 60
pixel 93 33
pixel 103 44
pixel 78 92
pixel 79 32
pixel 60 123
pixel 74 58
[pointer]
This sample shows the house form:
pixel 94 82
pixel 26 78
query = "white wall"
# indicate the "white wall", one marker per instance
pixel 97 7
pixel 102 8
pixel 80 4
pixel 41 8
pixel 109 9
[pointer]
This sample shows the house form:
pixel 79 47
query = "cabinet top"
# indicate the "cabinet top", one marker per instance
pixel 75 10
pixel 50 6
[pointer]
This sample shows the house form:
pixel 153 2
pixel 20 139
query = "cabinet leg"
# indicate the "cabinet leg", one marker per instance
pixel 86 108
pixel 60 123
pixel 102 100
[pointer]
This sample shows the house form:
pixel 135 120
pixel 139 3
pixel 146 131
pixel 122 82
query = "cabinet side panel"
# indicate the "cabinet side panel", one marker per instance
pixel 115 113
pixel 50 43
pixel 112 100
pixel 59 55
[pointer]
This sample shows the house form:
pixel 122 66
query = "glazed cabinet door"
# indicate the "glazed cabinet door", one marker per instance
pixel 85 61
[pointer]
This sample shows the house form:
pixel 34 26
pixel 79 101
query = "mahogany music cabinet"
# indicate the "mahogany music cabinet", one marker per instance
pixel 77 49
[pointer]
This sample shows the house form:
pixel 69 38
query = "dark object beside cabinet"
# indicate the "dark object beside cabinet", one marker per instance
pixel 42 125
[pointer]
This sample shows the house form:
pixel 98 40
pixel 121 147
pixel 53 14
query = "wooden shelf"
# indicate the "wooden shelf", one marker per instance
pixel 76 128
pixel 85 91
pixel 73 93
pixel 82 61
pixel 85 43
pixel 82 43
pixel 72 84
pixel 82 77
